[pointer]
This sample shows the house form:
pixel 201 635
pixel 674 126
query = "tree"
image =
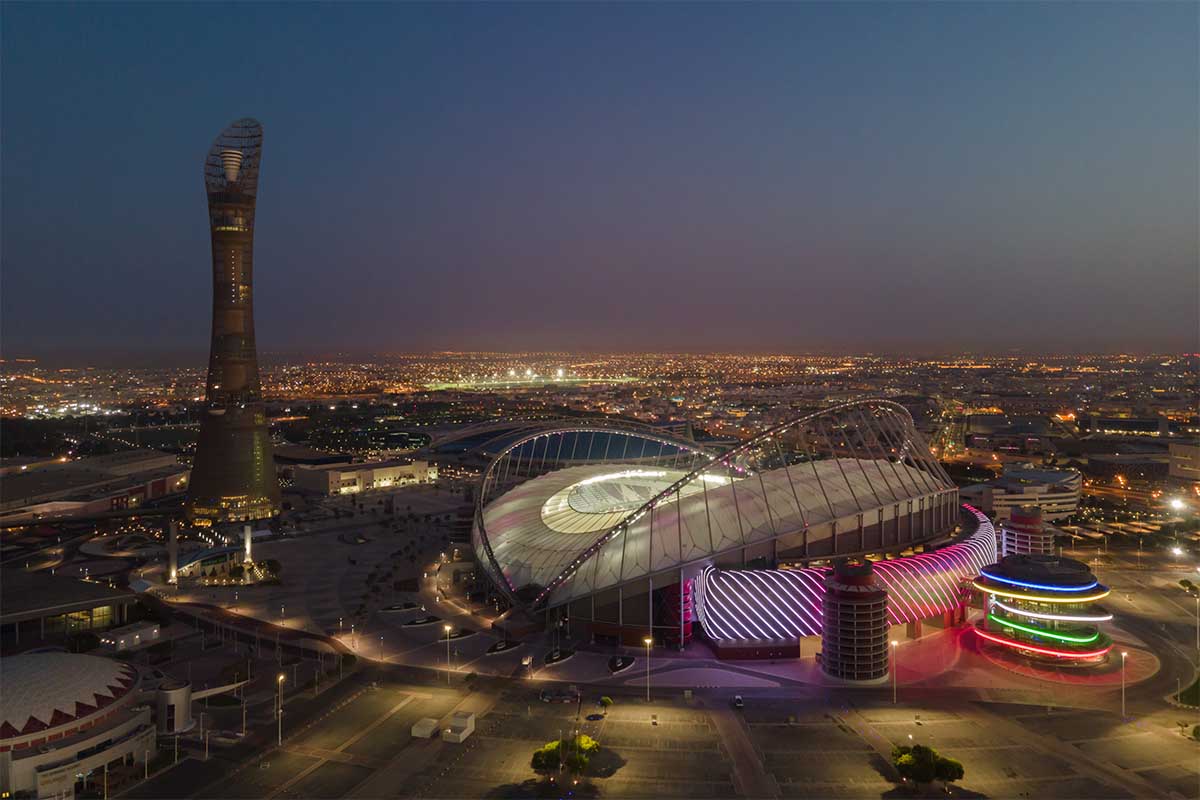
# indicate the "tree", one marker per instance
pixel 606 703
pixel 921 764
pixel 546 758
pixel 948 770
pixel 916 763
pixel 572 754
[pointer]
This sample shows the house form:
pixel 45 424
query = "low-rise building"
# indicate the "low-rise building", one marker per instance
pixel 90 485
pixel 1185 462
pixel 1055 491
pixel 335 479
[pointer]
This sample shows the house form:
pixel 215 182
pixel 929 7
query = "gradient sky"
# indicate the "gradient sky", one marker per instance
pixel 768 177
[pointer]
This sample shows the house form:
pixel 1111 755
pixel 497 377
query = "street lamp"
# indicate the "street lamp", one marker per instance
pixel 279 709
pixel 895 644
pixel 1123 655
pixel 648 641
pixel 447 629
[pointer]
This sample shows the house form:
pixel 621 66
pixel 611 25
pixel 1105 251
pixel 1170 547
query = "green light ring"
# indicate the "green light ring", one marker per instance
pixel 1062 637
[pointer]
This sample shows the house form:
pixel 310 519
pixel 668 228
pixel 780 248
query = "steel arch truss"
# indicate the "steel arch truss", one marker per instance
pixel 851 468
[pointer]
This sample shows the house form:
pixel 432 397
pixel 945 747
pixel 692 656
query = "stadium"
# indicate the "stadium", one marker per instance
pixel 621 532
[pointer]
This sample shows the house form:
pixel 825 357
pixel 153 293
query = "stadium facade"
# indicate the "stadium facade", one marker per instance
pixel 627 532
pixel 233 479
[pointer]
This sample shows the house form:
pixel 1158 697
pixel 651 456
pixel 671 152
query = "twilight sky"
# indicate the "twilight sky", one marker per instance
pixel 768 177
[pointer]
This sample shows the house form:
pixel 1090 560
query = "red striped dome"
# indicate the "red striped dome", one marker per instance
pixel 49 690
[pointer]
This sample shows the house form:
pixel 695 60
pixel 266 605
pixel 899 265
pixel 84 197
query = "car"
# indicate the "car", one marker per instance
pixel 738 702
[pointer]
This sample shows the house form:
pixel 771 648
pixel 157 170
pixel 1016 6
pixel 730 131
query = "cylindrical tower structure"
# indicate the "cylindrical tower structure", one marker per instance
pixel 1044 608
pixel 173 702
pixel 233 478
pixel 854 635
pixel 1024 533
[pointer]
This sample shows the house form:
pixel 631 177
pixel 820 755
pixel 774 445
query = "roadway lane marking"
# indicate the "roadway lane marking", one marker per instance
pixel 304 773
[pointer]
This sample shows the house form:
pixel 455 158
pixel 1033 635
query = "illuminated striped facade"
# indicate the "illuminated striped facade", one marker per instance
pixel 740 607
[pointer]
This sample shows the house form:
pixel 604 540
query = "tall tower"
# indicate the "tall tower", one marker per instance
pixel 233 478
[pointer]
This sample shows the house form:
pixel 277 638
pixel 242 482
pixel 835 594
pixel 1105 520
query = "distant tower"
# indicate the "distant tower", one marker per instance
pixel 854 636
pixel 233 478
pixel 1024 533
pixel 247 535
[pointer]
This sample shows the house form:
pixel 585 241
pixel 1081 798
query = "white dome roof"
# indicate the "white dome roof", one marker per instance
pixel 46 690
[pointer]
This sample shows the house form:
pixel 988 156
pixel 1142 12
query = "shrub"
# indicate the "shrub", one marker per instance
pixel 1196 733
pixel 576 762
pixel 921 764
pixel 545 758
pixel 947 769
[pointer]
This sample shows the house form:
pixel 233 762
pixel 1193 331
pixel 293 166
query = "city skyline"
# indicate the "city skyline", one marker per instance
pixel 985 178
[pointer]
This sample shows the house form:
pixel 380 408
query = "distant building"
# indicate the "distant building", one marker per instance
pixel 1128 426
pixel 89 485
pixel 352 478
pixel 1055 491
pixel 1185 462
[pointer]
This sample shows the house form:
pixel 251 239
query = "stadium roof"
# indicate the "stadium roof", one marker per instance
pixel 45 690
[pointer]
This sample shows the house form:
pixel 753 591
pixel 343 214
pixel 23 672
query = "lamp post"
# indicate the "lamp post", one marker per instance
pixel 1123 655
pixel 1198 621
pixel 895 644
pixel 446 628
pixel 279 707
pixel 648 642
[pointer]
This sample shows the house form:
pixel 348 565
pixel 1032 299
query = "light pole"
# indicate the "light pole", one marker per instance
pixel 446 628
pixel 279 707
pixel 1123 655
pixel 648 642
pixel 1198 621
pixel 895 644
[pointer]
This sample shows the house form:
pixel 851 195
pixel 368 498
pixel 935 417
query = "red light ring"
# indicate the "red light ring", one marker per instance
pixel 1019 645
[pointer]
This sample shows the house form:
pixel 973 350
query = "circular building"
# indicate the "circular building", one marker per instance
pixel 1044 608
pixel 610 526
pixel 854 637
pixel 65 717
pixel 1024 532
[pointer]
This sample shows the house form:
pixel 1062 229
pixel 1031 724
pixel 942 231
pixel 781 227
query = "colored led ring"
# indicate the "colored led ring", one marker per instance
pixel 1017 645
pixel 1002 579
pixel 1039 598
pixel 1062 637
pixel 1059 617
